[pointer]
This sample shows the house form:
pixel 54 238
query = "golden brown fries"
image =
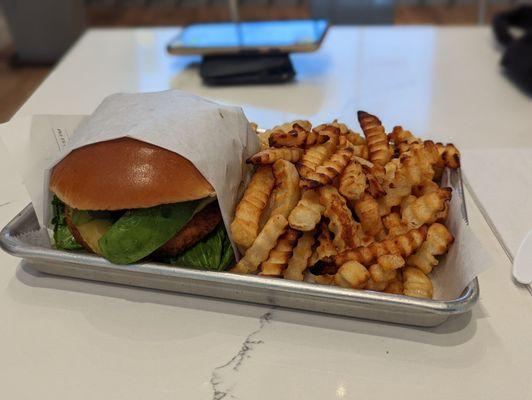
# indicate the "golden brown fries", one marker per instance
pixel 280 254
pixel 394 224
pixel 330 169
pixel 307 213
pixel 351 275
pixel 356 140
pixel 403 245
pixel 314 138
pixel 341 222
pixel 356 212
pixel 375 177
pixel 264 139
pixel 325 250
pixel 395 286
pixel 367 210
pixel 408 174
pixel 269 156
pixel 379 150
pixel 245 226
pixel 403 140
pixel 335 165
pixel 315 156
pixel 295 137
pixel 427 158
pixel 416 283
pixel 286 192
pixel 261 247
pixel 384 272
pixel 425 188
pixel 300 256
pixel 325 279
pixel 426 209
pixel 360 151
pixel 306 125
pixel 449 155
pixel 352 181
pixel 439 239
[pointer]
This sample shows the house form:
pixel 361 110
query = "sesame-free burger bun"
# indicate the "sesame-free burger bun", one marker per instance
pixel 126 173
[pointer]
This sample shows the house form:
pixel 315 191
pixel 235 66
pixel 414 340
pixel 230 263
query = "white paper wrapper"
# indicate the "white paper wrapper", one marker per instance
pixel 215 138
pixel 465 260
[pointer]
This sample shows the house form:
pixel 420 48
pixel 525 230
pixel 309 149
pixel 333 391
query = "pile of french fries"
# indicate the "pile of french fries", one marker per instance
pixel 329 205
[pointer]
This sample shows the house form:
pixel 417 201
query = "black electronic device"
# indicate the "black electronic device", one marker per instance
pixel 248 52
pixel 246 69
pixel 517 58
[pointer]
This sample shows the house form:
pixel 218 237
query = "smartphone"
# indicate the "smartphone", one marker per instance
pixel 250 37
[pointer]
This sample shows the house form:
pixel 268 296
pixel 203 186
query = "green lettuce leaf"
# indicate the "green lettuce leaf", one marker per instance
pixel 213 253
pixel 63 239
pixel 140 232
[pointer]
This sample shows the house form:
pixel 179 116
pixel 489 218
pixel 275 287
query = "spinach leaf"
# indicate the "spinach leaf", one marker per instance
pixel 63 239
pixel 139 232
pixel 213 253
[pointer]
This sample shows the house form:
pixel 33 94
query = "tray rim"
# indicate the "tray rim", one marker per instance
pixel 11 245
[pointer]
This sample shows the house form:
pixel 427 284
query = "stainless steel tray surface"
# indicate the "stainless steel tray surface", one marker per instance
pixel 225 285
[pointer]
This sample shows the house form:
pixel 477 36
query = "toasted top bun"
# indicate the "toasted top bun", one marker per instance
pixel 126 173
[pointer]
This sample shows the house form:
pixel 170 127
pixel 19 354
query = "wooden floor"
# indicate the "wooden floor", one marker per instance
pixel 443 14
pixel 17 84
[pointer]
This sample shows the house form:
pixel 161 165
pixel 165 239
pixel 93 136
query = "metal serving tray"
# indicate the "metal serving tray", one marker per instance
pixel 225 285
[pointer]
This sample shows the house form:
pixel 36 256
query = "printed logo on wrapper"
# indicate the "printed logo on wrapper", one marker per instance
pixel 62 137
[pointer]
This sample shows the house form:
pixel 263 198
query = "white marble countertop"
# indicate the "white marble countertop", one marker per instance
pixel 69 339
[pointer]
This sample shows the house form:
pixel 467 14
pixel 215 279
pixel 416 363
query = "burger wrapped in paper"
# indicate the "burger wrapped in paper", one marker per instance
pixel 128 200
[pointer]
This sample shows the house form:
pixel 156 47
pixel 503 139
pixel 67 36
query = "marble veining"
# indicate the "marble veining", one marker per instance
pixel 224 377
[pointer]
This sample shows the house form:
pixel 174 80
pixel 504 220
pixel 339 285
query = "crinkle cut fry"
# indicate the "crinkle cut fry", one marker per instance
pixel 379 149
pixel 286 192
pixel 384 271
pixel 416 283
pixel 449 155
pixel 300 256
pixel 307 213
pixel 438 241
pixel 341 222
pixel 269 156
pixel 367 210
pixel 351 275
pixel 426 209
pixel 403 140
pixel 427 158
pixel 315 156
pixel 295 137
pixel 395 226
pixel 245 226
pixel 280 254
pixel 261 247
pixel 352 181
pixel 325 250
pixel 330 169
pixel 314 138
pixel 408 174
pixel 403 245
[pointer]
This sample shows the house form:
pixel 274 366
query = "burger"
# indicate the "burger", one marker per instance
pixel 127 200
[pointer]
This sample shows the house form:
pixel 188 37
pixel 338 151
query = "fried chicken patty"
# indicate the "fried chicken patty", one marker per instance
pixel 196 229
